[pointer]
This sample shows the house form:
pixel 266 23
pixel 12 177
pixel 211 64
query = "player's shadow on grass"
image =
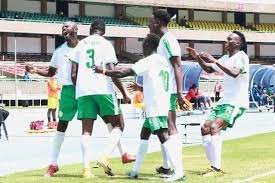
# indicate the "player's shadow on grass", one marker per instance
pixel 141 177
pixel 58 175
pixel 69 175
pixel 195 172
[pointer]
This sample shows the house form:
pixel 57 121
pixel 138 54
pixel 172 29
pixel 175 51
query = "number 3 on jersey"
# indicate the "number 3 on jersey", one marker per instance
pixel 91 55
pixel 165 79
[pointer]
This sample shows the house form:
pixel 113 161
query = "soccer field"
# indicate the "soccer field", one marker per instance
pixel 250 159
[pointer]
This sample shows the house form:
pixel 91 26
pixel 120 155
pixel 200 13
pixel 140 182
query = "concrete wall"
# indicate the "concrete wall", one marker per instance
pixel 267 18
pixel 267 50
pixel 24 44
pixel 24 5
pixel 249 18
pixel 251 50
pixel 51 7
pixel 230 17
pixel 73 9
pixel 138 11
pixel 99 10
pixel 50 44
pixel 133 45
pixel 207 15
pixel 183 13
pixel 214 49
pixel 183 46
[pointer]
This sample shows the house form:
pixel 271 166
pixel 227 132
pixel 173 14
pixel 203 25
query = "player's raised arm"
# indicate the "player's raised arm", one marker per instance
pixel 201 60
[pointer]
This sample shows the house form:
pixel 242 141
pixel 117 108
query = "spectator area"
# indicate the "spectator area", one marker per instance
pixel 53 18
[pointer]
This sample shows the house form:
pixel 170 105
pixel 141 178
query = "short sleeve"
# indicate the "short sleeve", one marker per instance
pixel 172 46
pixel 221 60
pixel 242 64
pixel 74 54
pixel 54 60
pixel 141 66
pixel 110 54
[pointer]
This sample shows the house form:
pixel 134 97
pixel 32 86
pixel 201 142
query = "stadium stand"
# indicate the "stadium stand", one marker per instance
pixel 143 22
pixel 265 27
pixel 54 18
pixel 211 25
pixel 26 57
pixel 8 68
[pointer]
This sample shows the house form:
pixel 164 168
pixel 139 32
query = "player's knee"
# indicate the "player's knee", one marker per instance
pixel 214 129
pixel 62 126
pixel 205 129
pixel 144 136
pixel 172 129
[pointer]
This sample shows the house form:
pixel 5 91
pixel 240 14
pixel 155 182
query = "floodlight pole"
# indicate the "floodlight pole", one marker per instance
pixel 15 71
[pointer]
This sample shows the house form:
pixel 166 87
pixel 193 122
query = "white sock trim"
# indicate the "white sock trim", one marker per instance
pixel 112 141
pixel 119 145
pixel 56 146
pixel 216 145
pixel 142 150
pixel 206 143
pixel 85 150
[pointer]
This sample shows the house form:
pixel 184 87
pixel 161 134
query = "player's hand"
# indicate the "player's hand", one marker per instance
pixel 207 57
pixel 134 87
pixel 126 99
pixel 30 68
pixel 98 69
pixel 183 104
pixel 180 99
pixel 192 52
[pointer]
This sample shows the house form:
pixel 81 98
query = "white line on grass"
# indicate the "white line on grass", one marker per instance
pixel 255 177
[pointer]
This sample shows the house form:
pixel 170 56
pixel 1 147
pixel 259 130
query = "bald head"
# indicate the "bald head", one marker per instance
pixel 69 30
pixel 70 24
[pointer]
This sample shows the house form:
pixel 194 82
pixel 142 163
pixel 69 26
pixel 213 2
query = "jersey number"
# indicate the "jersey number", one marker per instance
pixel 165 79
pixel 91 55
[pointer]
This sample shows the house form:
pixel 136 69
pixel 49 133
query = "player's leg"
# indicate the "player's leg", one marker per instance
pixel 49 115
pixel 216 147
pixel 142 150
pixel 225 116
pixel 56 146
pixel 87 128
pixel 206 136
pixel 125 157
pixel 174 155
pixel 67 110
pixel 206 141
pixel 112 141
pixel 173 133
pixel 87 112
pixel 54 114
pixel 110 111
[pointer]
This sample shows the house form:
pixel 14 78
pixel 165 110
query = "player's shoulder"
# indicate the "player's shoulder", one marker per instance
pixel 169 36
pixel 60 48
pixel 244 55
pixel 170 39
pixel 158 59
pixel 84 41
pixel 224 57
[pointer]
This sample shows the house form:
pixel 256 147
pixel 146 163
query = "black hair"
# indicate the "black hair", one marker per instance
pixel 151 42
pixel 98 25
pixel 193 86
pixel 243 41
pixel 162 16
